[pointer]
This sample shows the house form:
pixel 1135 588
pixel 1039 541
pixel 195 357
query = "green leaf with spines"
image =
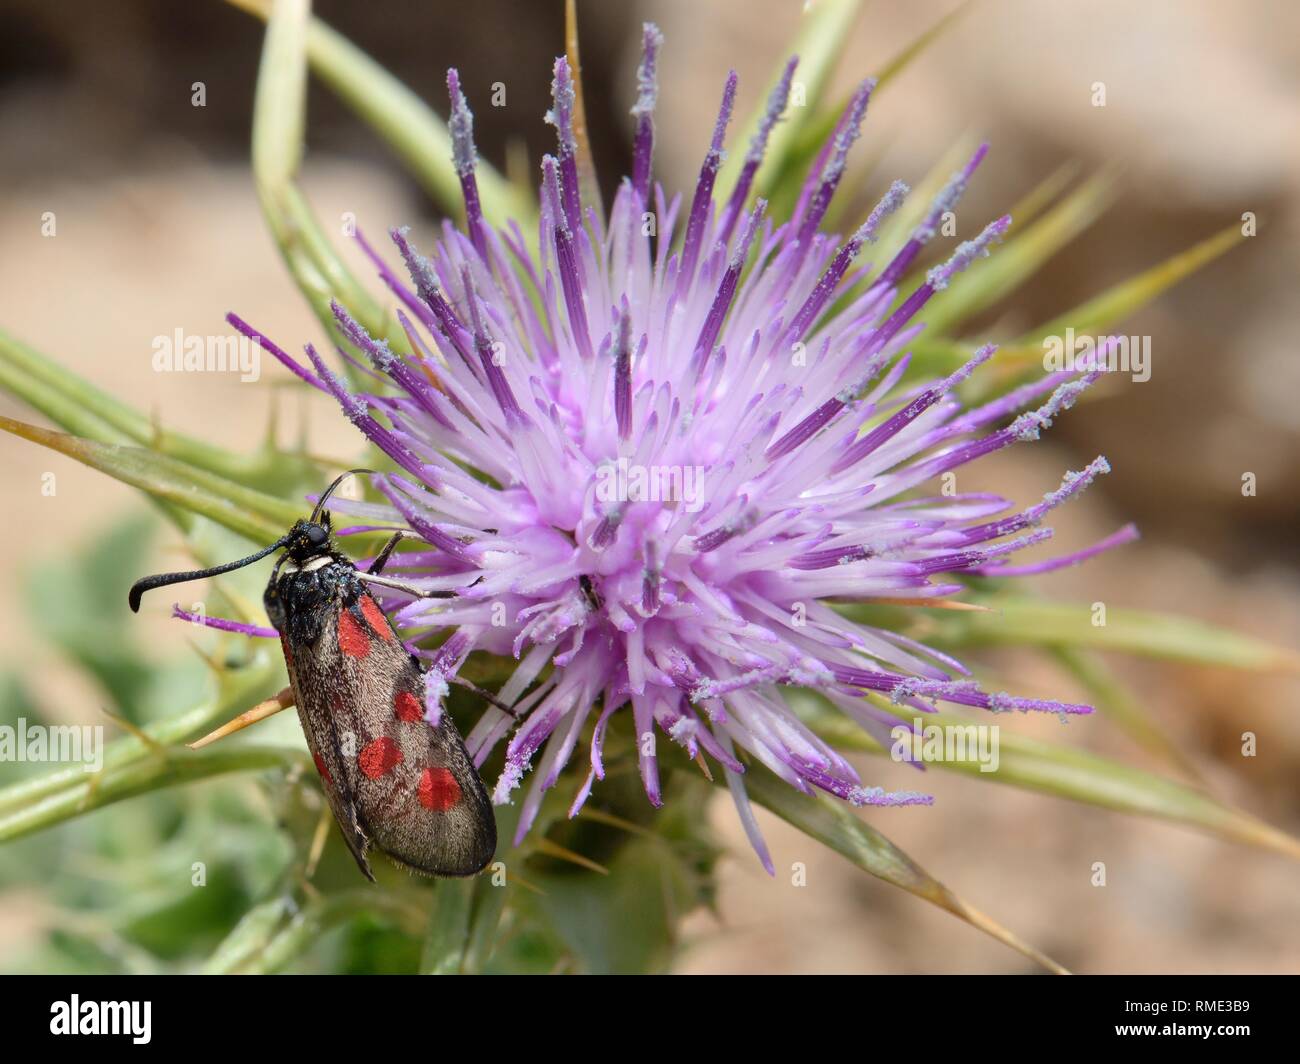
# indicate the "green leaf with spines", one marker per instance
pixel 79 407
pixel 1017 620
pixel 251 513
pixel 1065 772
pixel 833 823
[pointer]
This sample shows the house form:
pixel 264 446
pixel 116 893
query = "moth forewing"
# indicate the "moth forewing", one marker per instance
pixel 420 796
pixel 401 784
pixel 323 741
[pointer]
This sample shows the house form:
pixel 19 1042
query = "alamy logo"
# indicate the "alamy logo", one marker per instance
pixel 180 353
pixel 58 743
pixel 1116 354
pixel 922 742
pixel 103 1017
pixel 625 481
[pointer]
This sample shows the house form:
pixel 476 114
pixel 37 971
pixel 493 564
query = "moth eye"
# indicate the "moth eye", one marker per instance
pixel 316 535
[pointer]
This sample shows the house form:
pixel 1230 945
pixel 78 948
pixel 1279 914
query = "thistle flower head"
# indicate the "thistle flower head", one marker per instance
pixel 645 468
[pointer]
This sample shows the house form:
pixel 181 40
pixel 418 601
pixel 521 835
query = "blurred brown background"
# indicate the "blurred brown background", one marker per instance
pixel 159 229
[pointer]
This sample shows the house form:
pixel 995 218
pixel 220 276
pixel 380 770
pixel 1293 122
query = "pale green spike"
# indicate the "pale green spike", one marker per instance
pixel 1126 298
pixel 1024 252
pixel 783 186
pixel 821 40
pixel 1112 697
pixel 402 119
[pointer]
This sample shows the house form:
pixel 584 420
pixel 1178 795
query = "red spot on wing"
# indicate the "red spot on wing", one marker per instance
pixel 352 637
pixel 438 790
pixel 288 655
pixel 407 707
pixel 379 756
pixel 376 617
pixel 320 767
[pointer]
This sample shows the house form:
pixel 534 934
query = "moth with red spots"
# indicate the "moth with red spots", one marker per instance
pixel 393 780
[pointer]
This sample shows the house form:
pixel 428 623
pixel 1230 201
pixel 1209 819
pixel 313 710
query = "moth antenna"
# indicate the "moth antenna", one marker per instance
pixel 148 583
pixel 320 503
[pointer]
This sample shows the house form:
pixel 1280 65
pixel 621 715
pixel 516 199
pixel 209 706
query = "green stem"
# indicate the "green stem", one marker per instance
pixel 447 939
pixel 168 768
pixel 237 690
pixel 77 406
pixel 320 916
pixel 249 938
pixel 489 904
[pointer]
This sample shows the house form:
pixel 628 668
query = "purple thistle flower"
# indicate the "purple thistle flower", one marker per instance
pixel 645 473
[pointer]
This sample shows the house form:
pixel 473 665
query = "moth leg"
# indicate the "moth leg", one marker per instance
pixel 487 696
pixel 400 585
pixel 381 559
pixel 260 711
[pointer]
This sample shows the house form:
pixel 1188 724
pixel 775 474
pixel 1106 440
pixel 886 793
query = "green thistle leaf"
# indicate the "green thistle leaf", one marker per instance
pixel 250 937
pixel 319 916
pixel 1031 622
pixel 171 768
pixel 79 407
pixel 249 512
pixel 833 824
pixel 1066 772
pixel 42 801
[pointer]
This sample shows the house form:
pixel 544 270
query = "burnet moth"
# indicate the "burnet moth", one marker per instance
pixel 394 781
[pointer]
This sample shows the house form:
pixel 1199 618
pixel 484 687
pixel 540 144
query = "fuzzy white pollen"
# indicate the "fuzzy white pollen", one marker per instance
pixel 683 731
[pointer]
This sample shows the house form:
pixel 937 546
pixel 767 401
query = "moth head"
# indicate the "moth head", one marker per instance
pixel 310 538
